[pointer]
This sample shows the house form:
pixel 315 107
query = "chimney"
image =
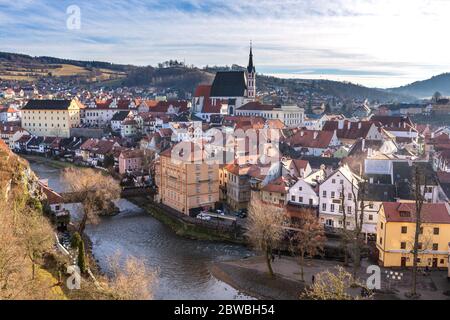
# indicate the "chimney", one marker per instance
pixel 302 133
pixel 359 125
pixel 316 134
pixel 363 144
pixel 349 124
pixel 341 124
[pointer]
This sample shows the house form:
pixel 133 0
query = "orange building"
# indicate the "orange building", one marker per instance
pixel 186 181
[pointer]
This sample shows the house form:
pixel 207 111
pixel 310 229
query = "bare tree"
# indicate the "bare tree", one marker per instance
pixel 419 196
pixel 333 286
pixel 94 190
pixel 37 236
pixel 357 244
pixel 308 238
pixel 345 238
pixel 265 228
pixel 131 281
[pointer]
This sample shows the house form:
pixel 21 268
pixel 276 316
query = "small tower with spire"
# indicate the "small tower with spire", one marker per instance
pixel 251 76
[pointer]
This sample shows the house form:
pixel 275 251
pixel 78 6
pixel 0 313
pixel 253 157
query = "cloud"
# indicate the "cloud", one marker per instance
pixel 376 42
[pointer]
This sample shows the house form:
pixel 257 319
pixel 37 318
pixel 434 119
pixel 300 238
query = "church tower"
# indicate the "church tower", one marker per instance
pixel 251 76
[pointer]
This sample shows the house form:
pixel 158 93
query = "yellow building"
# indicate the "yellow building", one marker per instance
pixel 187 183
pixel 51 118
pixel 396 229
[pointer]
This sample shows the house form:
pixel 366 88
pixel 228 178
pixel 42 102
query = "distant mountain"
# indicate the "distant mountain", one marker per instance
pixel 181 78
pixel 340 90
pixel 174 75
pixel 426 88
pixel 24 68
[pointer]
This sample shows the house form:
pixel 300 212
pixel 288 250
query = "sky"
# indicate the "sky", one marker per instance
pixel 376 43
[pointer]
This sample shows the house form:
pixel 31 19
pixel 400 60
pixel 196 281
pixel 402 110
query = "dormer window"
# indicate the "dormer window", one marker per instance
pixel 405 214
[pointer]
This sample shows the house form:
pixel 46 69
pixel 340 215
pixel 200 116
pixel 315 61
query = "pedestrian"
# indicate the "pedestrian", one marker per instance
pixel 273 258
pixel 313 279
pixel 279 254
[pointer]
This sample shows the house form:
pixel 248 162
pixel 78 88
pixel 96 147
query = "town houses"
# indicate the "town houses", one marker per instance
pixel 228 144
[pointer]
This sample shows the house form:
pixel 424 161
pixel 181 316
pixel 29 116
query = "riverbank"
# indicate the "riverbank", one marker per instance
pixel 250 275
pixel 245 277
pixel 48 161
pixel 184 228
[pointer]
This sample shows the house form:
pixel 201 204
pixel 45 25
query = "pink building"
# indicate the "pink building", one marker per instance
pixel 130 160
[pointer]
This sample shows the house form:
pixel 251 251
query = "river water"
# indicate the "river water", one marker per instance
pixel 183 265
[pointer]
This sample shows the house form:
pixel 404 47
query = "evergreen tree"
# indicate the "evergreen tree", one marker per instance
pixel 82 263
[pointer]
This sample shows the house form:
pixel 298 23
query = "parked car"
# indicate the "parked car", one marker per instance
pixel 204 217
pixel 241 213
pixel 220 212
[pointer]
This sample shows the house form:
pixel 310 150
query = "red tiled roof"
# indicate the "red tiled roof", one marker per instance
pixel 393 122
pixel 7 110
pixel 52 196
pixel 203 91
pixel 431 212
pixel 311 139
pixel 356 130
pixel 189 151
pixel 151 103
pixel 130 154
pixel 181 105
pixel 9 129
pixel 255 105
pixel 280 185
pixel 165 132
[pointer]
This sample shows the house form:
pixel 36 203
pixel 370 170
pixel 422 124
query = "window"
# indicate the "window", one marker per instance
pixel 371 205
pixel 435 246
pixel 293 198
pixel 436 231
pixel 381 225
pixel 324 194
pixel 349 210
pixel 350 196
pixel 342 182
pixel 420 245
pixel 332 208
pixel 381 240
pixel 300 199
pixel 324 207
pixel 333 194
pixel 404 230
pixel 300 188
pixel 403 245
pixel 370 217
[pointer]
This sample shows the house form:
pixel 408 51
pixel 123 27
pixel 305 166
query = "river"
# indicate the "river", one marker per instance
pixel 183 265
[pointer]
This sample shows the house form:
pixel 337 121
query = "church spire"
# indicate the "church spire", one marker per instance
pixel 251 67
